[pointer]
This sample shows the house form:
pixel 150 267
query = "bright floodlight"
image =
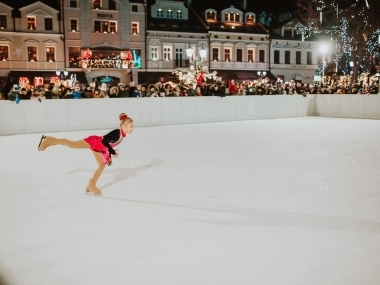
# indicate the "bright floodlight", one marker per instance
pixel 323 48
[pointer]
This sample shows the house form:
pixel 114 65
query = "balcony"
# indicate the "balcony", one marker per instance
pixel 238 65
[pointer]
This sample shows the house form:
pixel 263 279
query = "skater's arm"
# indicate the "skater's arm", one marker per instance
pixel 112 136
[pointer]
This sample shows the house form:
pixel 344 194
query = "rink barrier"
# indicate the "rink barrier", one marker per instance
pixel 32 116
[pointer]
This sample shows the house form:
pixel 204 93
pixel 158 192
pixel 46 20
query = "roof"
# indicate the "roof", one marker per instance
pixel 192 25
pixel 217 25
pixel 17 4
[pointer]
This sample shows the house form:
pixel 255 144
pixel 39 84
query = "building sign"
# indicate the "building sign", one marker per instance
pixel 106 16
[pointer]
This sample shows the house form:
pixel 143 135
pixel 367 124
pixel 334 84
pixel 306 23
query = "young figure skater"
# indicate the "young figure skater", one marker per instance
pixel 102 148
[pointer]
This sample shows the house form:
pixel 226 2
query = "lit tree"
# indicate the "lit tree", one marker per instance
pixel 353 26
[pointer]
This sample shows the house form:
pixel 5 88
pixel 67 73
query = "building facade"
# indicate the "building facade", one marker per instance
pixel 105 38
pixel 31 42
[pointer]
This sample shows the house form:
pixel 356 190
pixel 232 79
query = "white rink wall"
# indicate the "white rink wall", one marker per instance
pixel 348 106
pixel 32 116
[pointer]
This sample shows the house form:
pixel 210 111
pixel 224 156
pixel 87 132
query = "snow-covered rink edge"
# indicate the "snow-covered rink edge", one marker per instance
pixel 281 201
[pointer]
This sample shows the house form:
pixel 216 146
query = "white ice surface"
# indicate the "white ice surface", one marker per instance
pixel 282 202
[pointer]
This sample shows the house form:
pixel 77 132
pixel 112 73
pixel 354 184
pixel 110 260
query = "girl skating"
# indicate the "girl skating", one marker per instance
pixel 102 147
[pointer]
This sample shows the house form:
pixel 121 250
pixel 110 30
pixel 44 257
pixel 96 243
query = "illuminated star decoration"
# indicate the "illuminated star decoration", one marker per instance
pixel 367 3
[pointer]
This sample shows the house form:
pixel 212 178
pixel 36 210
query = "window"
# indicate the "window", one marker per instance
pixel 250 55
pixel 135 28
pixel 227 54
pixel 239 55
pixel 215 54
pixel 309 58
pixel 31 23
pixel 261 55
pixel 287 57
pixel 111 5
pixel 169 14
pixel 32 53
pixel 178 57
pixel 112 27
pixel 3 21
pixel 50 54
pixel 250 19
pixel 154 53
pixel 105 27
pixel 298 57
pixel 73 4
pixel 4 53
pixel 167 53
pixel 73 25
pixel 231 17
pixel 277 56
pixel 135 8
pixel 96 4
pixel 179 14
pixel 74 56
pixel 48 24
pixel 210 15
pixel 160 13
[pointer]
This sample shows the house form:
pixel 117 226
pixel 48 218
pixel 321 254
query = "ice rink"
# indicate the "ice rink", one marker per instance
pixel 268 202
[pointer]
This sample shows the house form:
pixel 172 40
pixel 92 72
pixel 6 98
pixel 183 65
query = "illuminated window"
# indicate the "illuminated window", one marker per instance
pixel 160 13
pixel 112 26
pixel 250 55
pixel 250 19
pixel 210 15
pixel 154 53
pixel 31 23
pixel 3 21
pixel 167 53
pixel 135 28
pixel 105 27
pixel 32 53
pixel 231 17
pixel 227 54
pixel 4 53
pixel 97 4
pixel 74 56
pixel 169 14
pixel 179 14
pixel 73 25
pixel 50 54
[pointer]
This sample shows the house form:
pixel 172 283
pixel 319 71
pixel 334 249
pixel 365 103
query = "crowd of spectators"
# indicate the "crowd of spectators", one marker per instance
pixel 171 89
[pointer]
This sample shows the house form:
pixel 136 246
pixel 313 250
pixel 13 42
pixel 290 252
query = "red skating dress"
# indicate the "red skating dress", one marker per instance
pixel 105 144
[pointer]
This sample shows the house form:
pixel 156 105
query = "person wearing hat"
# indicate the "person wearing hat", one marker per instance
pixel 103 91
pixel 123 93
pixel 114 91
pixel 102 148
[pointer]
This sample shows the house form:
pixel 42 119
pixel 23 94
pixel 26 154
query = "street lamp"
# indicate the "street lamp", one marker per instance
pixel 323 50
pixel 203 52
pixel 263 73
pixel 189 51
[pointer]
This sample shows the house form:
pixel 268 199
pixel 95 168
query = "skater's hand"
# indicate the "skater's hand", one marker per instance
pixel 116 154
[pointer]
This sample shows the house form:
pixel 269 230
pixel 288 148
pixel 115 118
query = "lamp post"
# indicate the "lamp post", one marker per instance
pixel 323 50
pixel 189 53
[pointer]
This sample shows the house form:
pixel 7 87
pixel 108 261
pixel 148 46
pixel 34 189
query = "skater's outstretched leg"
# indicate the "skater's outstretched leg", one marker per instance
pixel 49 141
pixel 91 186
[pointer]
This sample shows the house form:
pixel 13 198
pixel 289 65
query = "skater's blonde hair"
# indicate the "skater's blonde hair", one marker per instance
pixel 124 119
